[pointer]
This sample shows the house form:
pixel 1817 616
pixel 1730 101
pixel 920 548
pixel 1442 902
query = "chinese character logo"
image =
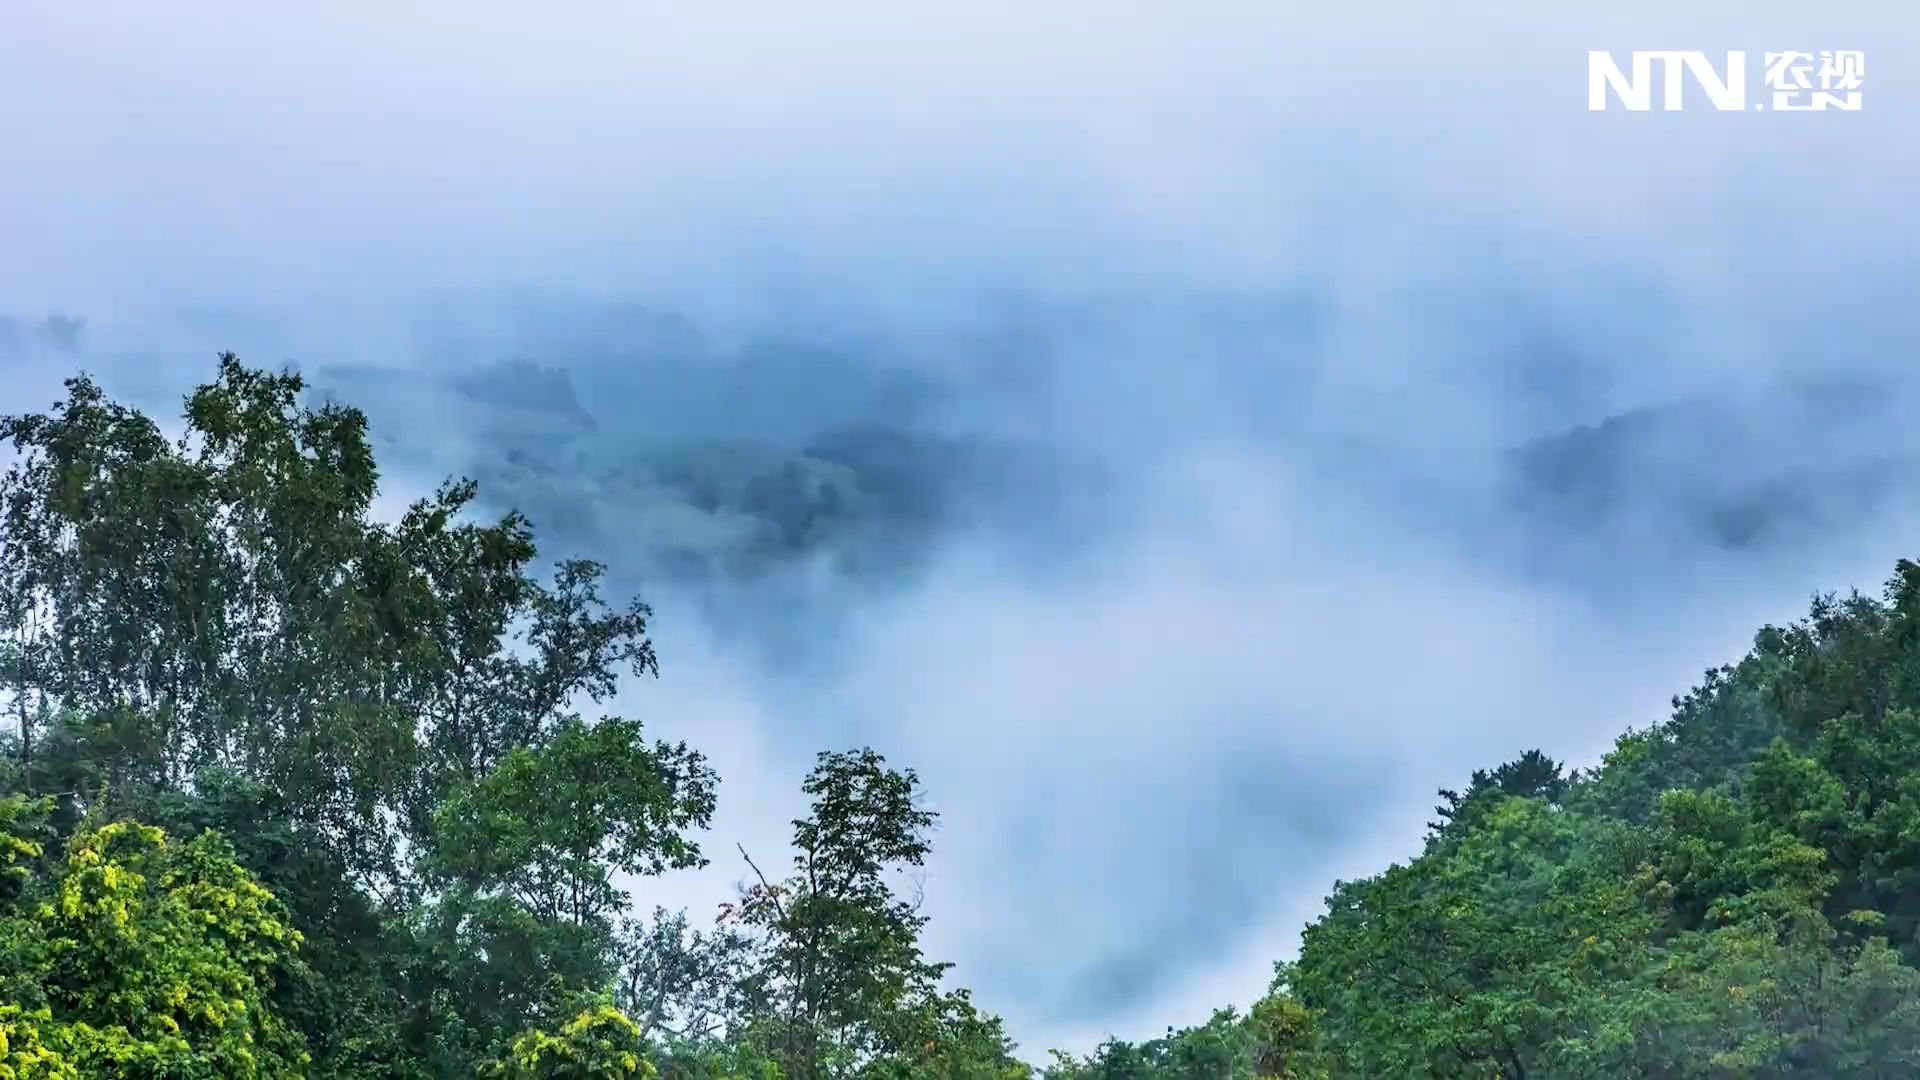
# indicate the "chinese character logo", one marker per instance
pixel 1802 83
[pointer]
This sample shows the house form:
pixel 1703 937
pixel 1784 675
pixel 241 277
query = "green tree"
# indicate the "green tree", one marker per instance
pixel 550 825
pixel 528 852
pixel 215 631
pixel 144 957
pixel 838 985
pixel 598 1043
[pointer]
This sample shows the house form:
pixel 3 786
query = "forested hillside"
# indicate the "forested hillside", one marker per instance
pixel 1734 892
pixel 712 468
pixel 291 790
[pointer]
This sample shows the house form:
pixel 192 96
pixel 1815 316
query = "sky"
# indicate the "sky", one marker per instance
pixel 1277 290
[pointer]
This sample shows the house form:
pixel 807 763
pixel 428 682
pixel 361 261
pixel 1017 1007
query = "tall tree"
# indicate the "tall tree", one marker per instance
pixel 841 950
pixel 215 630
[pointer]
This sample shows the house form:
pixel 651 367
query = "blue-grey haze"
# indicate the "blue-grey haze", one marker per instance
pixel 1189 434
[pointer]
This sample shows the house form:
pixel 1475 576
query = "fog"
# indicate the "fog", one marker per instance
pixel 1241 419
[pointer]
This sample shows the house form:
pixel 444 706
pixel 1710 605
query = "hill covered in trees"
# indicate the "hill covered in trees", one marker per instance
pixel 704 468
pixel 1776 466
pixel 1734 892
pixel 293 791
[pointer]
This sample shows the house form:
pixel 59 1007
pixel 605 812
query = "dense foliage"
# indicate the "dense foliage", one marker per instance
pixel 293 791
pixel 139 956
pixel 1731 893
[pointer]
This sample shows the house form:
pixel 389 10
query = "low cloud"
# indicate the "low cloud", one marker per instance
pixel 1188 438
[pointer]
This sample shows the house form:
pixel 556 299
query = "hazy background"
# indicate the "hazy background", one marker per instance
pixel 1188 433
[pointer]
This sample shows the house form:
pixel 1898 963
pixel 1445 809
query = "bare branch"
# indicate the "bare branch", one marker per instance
pixel 772 893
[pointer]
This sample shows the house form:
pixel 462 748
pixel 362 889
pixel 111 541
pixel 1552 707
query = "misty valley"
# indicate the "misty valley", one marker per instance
pixel 993 541
pixel 298 791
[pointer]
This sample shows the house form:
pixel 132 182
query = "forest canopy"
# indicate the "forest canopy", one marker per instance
pixel 289 790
